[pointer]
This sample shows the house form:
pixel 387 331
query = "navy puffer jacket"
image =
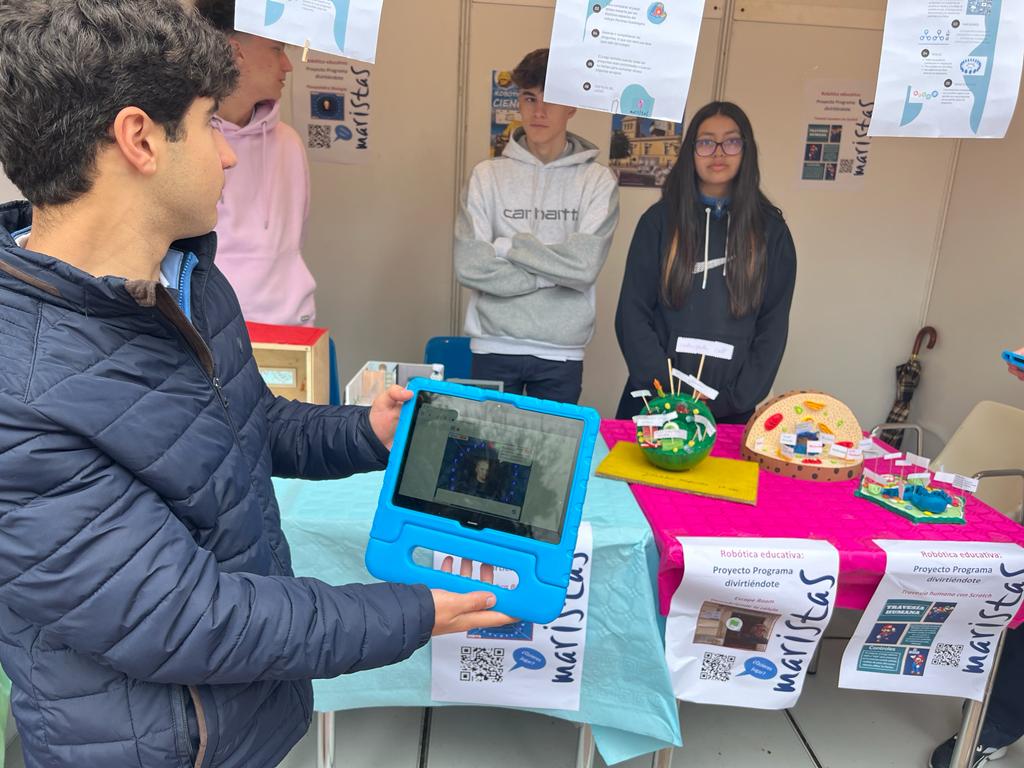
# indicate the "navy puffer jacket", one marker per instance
pixel 148 613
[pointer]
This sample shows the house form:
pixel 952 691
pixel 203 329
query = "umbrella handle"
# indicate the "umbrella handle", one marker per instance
pixel 932 335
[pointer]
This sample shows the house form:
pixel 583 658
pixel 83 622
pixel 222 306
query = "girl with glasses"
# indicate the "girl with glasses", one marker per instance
pixel 713 259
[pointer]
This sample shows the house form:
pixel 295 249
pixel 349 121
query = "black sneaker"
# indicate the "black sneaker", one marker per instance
pixel 943 754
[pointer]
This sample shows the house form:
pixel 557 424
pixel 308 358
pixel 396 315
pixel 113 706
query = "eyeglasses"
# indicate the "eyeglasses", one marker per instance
pixel 708 147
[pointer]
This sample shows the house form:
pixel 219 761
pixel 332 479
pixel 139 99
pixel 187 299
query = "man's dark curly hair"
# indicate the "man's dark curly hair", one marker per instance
pixel 67 67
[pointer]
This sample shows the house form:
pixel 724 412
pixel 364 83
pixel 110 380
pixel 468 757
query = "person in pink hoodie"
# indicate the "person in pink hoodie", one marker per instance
pixel 262 214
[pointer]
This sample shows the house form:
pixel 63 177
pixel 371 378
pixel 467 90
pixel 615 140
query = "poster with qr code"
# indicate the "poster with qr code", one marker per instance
pixel 835 150
pixel 539 666
pixel 331 106
pixel 949 68
pixel 339 27
pixel 744 623
pixel 935 619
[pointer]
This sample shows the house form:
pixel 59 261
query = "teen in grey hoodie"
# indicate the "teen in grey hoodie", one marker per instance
pixel 530 240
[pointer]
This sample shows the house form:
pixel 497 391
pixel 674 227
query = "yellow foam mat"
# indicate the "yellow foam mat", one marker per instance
pixel 727 479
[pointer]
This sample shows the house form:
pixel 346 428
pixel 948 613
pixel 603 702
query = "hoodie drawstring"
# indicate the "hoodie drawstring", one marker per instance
pixel 728 225
pixel 707 245
pixel 264 188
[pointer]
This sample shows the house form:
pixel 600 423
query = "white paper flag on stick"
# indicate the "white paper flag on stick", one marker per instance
pixel 717 349
pixel 918 461
pixel 671 434
pixel 873 477
pixel 968 484
pixel 709 392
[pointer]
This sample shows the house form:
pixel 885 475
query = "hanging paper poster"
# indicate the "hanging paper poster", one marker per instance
pixel 341 27
pixel 522 664
pixel 745 621
pixel 835 148
pixel 642 151
pixel 950 68
pixel 331 100
pixel 628 57
pixel 933 624
pixel 505 116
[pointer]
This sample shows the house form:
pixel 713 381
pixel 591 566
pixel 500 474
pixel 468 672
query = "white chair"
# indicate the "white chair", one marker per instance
pixel 988 445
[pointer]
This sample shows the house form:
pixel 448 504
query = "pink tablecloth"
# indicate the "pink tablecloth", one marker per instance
pixel 789 508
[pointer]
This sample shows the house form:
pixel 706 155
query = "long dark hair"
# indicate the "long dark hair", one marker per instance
pixel 745 276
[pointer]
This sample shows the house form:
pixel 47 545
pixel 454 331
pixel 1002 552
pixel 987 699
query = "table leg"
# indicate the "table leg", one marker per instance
pixel 325 740
pixel 812 668
pixel 663 758
pixel 974 717
pixel 585 747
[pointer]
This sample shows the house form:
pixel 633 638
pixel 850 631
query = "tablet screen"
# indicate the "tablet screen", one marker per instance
pixel 489 464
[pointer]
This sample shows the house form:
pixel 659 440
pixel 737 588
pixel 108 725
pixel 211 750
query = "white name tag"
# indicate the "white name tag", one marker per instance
pixel 918 461
pixel 670 434
pixel 945 477
pixel 709 392
pixel 640 393
pixel 815 447
pixel 704 422
pixel 968 484
pixel 648 421
pixel 787 438
pixel 924 477
pixel 704 347
pixel 839 451
pixel 873 477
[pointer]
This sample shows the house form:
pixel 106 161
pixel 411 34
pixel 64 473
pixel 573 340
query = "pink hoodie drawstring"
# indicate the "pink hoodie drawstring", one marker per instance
pixel 264 187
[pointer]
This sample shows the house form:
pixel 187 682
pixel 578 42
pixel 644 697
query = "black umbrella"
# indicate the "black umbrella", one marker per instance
pixel 908 376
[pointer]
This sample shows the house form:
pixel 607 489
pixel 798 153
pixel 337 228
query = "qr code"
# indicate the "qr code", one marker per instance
pixel 481 665
pixel 846 166
pixel 979 7
pixel 717 666
pixel 319 137
pixel 946 655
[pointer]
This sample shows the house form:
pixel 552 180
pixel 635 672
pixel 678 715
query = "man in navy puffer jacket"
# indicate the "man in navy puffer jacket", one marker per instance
pixel 148 613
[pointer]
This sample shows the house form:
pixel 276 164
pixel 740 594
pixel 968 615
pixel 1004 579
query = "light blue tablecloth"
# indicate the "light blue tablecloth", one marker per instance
pixel 626 694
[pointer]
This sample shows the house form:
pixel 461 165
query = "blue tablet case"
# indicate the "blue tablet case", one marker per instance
pixel 542 567
pixel 1013 358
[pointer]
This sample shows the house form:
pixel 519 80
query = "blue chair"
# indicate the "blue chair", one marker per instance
pixel 453 352
pixel 335 383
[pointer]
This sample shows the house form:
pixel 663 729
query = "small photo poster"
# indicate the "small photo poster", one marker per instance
pixel 505 116
pixel 934 622
pixel 332 102
pixel 642 151
pixel 836 149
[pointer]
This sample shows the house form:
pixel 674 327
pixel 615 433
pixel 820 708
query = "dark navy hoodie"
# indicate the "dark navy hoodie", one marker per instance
pixel 647 327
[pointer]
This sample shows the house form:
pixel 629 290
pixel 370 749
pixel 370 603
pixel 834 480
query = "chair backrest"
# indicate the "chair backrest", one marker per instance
pixel 991 437
pixel 454 352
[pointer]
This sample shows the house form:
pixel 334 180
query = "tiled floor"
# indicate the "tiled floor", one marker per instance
pixel 829 728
